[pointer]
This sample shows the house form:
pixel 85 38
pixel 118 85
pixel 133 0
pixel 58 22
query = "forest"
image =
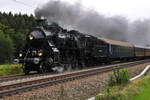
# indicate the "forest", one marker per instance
pixel 13 29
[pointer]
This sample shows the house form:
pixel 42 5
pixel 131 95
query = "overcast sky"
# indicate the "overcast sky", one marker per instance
pixel 132 9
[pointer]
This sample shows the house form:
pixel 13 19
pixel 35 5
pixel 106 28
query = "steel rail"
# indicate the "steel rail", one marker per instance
pixel 22 76
pixel 35 84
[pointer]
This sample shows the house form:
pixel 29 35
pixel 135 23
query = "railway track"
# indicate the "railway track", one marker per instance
pixel 32 75
pixel 6 90
pixel 22 76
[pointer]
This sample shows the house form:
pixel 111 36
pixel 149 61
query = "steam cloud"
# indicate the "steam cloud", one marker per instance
pixel 74 16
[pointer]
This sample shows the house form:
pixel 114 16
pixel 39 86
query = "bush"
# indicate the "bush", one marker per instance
pixel 119 76
pixel 10 69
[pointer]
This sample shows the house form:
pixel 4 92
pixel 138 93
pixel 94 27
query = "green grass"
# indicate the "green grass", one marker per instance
pixel 136 90
pixel 10 69
pixel 144 88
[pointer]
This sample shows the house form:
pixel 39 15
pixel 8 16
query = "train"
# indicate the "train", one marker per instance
pixel 51 48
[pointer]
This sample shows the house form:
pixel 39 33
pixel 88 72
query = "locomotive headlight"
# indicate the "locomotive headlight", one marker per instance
pixel 30 37
pixel 20 54
pixel 40 53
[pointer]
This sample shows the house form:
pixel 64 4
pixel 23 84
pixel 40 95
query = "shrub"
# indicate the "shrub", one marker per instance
pixel 10 69
pixel 119 76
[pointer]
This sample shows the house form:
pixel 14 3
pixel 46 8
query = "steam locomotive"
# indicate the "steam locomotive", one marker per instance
pixel 49 48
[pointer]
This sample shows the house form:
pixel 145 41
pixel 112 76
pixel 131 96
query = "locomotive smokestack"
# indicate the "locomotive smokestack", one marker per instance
pixel 41 22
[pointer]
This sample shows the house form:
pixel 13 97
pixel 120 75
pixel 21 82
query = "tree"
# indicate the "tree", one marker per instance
pixel 6 48
pixel 13 29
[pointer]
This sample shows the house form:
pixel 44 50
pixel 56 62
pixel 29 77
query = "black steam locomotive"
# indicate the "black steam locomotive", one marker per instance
pixel 52 48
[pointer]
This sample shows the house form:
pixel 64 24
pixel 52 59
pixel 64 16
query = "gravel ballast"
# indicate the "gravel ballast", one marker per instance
pixel 75 90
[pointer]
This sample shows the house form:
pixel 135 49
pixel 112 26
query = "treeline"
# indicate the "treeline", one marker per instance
pixel 13 28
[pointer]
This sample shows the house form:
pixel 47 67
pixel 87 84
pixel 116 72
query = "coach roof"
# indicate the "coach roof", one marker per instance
pixel 115 42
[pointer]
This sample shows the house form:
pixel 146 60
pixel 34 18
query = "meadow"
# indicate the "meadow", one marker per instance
pixel 136 90
pixel 10 69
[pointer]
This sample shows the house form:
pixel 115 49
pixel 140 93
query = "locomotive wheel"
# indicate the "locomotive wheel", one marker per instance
pixel 42 68
pixel 26 71
pixel 69 67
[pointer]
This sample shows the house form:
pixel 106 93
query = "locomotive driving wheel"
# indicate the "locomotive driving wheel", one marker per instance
pixel 42 68
pixel 25 69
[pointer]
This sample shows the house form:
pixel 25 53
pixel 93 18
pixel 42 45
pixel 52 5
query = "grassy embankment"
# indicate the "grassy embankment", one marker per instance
pixel 136 90
pixel 10 69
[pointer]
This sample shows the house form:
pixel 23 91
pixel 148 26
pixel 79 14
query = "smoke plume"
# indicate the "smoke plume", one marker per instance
pixel 74 16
